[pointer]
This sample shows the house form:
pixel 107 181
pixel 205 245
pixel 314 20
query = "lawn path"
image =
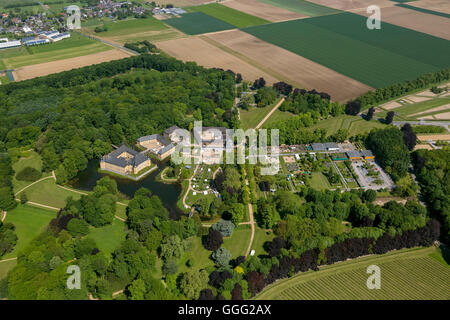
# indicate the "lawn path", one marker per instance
pixel 24 188
pixel 270 113
pixel 189 187
pixel 4 215
pixel 10 259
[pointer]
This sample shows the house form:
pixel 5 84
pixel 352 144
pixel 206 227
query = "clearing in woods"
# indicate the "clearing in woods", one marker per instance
pixel 405 274
pixel 392 55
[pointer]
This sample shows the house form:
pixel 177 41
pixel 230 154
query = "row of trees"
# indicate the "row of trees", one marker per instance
pixel 7 201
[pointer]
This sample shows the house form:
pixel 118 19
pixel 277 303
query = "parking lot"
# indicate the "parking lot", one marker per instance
pixel 371 176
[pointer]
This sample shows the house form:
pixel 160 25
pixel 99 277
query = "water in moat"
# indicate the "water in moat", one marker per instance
pixel 168 193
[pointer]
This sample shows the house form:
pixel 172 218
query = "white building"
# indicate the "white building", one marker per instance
pixel 5 43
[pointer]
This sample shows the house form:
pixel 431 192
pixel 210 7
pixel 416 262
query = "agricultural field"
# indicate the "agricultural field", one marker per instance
pixel 75 46
pixel 303 7
pixel 379 59
pixel 210 56
pixel 436 13
pixel 405 274
pixel 29 222
pixel 263 10
pixel 131 30
pixel 198 23
pixel 435 5
pixel 356 125
pixel 229 15
pixel 352 4
pixel 434 25
pixel 43 69
pixel 288 66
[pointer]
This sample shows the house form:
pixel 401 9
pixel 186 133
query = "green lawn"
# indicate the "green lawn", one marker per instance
pixel 6 266
pixel 302 6
pixel 377 58
pixel 46 192
pixel 261 237
pixel 252 117
pixel 355 124
pixel 238 242
pixel 108 238
pixel 278 116
pixel 29 222
pixel 319 181
pixel 75 46
pixel 405 274
pixel 229 15
pixel 198 23
pixel 33 160
pixel 130 27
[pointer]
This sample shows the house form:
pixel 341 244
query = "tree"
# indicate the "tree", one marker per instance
pixel 77 227
pixel 170 267
pixel 238 78
pixel 28 174
pixel 268 215
pixel 389 117
pixel 213 240
pixel 283 88
pixel 352 108
pixel 221 257
pixel 409 136
pixel 370 113
pixel 192 282
pixel 23 198
pixel 369 195
pixel 154 238
pixel 259 83
pixel 172 247
pixel 237 212
pixel 225 227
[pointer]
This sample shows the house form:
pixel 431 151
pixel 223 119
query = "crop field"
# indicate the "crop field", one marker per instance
pixel 288 66
pixel 301 6
pixel 229 15
pixel 342 42
pixel 198 23
pixel 415 20
pixel 435 5
pixel 207 55
pixel 263 10
pixel 405 274
pixel 29 222
pixel 123 31
pixel 437 13
pixel 351 4
pixel 421 109
pixel 76 46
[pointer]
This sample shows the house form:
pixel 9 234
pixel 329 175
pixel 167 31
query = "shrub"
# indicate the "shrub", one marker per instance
pixel 28 174
pixel 225 227
pixel 221 257
pixel 77 227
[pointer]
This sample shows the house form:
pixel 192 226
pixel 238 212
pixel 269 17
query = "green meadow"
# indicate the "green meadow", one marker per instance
pixel 302 6
pixel 198 23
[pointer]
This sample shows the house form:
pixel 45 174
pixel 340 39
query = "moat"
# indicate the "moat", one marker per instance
pixel 168 193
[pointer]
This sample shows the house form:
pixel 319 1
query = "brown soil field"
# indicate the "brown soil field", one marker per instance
pixel 207 55
pixel 435 5
pixel 418 98
pixel 391 105
pixel 349 5
pixel 418 21
pixel 443 116
pixel 43 69
pixel 441 108
pixel 434 137
pixel 301 71
pixel 423 146
pixel 426 93
pixel 263 10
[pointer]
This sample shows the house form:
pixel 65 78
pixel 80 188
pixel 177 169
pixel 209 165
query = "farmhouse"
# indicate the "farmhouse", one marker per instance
pixel 157 145
pixel 125 160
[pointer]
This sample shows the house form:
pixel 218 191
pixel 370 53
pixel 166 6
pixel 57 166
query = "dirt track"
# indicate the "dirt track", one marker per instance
pixel 300 70
pixel 43 69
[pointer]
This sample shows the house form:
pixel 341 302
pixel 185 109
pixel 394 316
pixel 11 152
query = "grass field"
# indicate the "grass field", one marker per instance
pixel 278 116
pixel 319 181
pixel 261 237
pixel 342 42
pixel 252 117
pixel 198 23
pixel 33 160
pixel 29 222
pixel 108 238
pixel 354 124
pixel 6 266
pixel 238 242
pixel 76 46
pixel 48 193
pixel 302 6
pixel 405 274
pixel 229 15
pixel 409 111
